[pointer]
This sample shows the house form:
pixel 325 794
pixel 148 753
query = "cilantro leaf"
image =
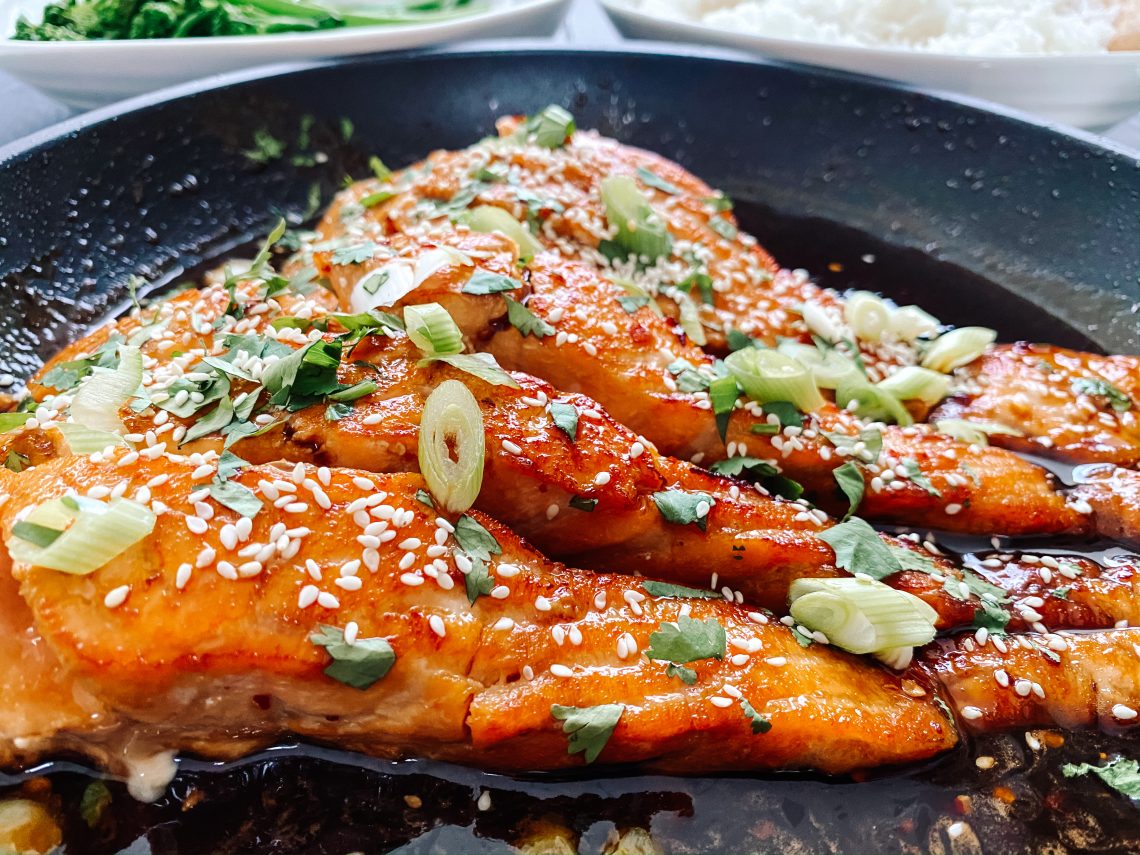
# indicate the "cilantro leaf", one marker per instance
pixel 1102 389
pixel 734 466
pixel 992 617
pixel 1061 593
pixel 1122 774
pixel 374 199
pixel 304 377
pixel 475 540
pixel 478 582
pixel 801 637
pixel 589 728
pixel 424 498
pixel 565 417
pixel 686 675
pixel 723 393
pixel 915 475
pixel 632 302
pixel 788 414
pixel 687 640
pixel 666 589
pixel 481 365
pixel 236 497
pixel 361 664
pixel 849 477
pixel 681 507
pixel 212 422
pixel 336 411
pixel 859 549
pixel 910 559
pixel 485 282
pixel 780 485
pixel 871 438
pixel 760 724
pixel 525 321
pixel 652 179
pixel 355 253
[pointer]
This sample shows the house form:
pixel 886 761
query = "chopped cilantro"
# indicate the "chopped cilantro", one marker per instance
pixel 589 728
pixel 95 800
pixel 736 340
pixel 760 724
pixel 849 477
pixel 355 253
pixel 723 394
pixel 1061 593
pixel 361 664
pixel 733 467
pixel 336 411
pixel 478 582
pixel 486 282
pixel 11 421
pixel 565 417
pixel 1122 774
pixel 681 507
pixel 916 476
pixel 718 202
pixel 424 497
pixel 632 302
pixel 686 675
pixel 525 321
pixel 652 179
pixel 1099 388
pixel 871 438
pixel 667 589
pixel 788 414
pixel 551 127
pixel 687 640
pixel 266 147
pixel 859 549
pixel 475 540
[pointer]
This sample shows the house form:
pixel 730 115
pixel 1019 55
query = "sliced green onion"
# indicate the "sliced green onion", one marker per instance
pixel 690 319
pixel 912 383
pixel 98 533
pixel 98 399
pixel 898 658
pixel 911 322
pixel 640 231
pixel 636 297
pixel 384 286
pixel 767 375
pixel 83 440
pixel 957 348
pixel 489 219
pixel 870 402
pixel 12 421
pixel 432 330
pixel 861 615
pixel 828 367
pixel 974 433
pixel 867 315
pixel 819 322
pixel 452 446
pixel 551 127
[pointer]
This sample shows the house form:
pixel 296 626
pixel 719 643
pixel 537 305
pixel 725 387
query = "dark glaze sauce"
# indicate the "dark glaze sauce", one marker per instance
pixel 306 799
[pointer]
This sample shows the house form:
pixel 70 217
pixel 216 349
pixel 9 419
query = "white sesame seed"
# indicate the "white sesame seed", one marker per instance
pixel 503 623
pixel 542 604
pixel 511 447
pixel 197 525
pixel 777 661
pixel 226 570
pixel 116 596
pixel 719 701
pixel 1124 713
pixel 602 478
pixel 501 592
pixel 971 713
pixel 412 579
pixel 327 600
pixel 600 600
pixel 308 596
pixel 410 543
pixel 437 626
pixel 956 830
pixel 351 630
pixel 561 671
pixel 349 583
pixel 1023 687
pixel 484 802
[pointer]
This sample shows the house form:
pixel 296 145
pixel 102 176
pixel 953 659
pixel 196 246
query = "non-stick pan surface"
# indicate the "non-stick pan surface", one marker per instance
pixel 983 218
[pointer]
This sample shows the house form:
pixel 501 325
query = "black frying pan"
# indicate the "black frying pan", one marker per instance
pixel 981 217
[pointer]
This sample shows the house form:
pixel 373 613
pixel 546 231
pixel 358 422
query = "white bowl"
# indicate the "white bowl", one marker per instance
pixel 1087 90
pixel 93 73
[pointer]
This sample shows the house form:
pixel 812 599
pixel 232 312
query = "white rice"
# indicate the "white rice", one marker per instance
pixel 975 27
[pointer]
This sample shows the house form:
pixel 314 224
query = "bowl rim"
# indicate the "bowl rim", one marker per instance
pixel 505 48
pixel 623 8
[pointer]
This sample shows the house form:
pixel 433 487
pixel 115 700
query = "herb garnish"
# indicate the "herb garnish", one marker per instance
pixel 652 179
pixel 565 418
pixel 361 664
pixel 525 321
pixel 849 477
pixel 589 728
pixel 681 507
pixel 666 589
pixel 1102 389
pixel 1122 774
pixel 916 476
pixel 486 282
pixel 687 640
pixel 760 724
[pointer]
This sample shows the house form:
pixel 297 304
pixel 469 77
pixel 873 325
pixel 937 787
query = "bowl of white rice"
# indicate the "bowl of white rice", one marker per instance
pixel 1075 62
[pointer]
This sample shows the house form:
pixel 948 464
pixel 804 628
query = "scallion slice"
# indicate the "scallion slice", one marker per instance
pixel 957 348
pixel 551 127
pixel 767 375
pixel 974 433
pixel 910 322
pixel 871 402
pixel 452 446
pixel 828 367
pixel 489 219
pixel 867 315
pixel 432 330
pixel 98 399
pixel 861 615
pixel 912 383
pixel 690 319
pixel 98 532
pixel 83 440
pixel 819 322
pixel 640 231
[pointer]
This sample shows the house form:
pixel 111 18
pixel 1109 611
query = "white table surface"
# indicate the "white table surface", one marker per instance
pixel 24 109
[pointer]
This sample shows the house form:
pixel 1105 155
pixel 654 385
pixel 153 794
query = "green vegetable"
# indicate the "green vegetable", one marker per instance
pixel 361 664
pixel 760 724
pixel 861 615
pixel 589 728
pixel 485 282
pixel 735 466
pixel 478 583
pixel 687 640
pixel 723 393
pixel 1122 774
pixel 640 231
pixel 103 392
pixel 11 421
pixel 849 477
pixel 686 675
pixel 525 321
pixel 872 439
pixel 452 446
pixel 80 20
pixel 859 549
pixel 475 540
pixel 551 127
pixel 682 507
pixel 652 179
pixel 565 417
pixel 916 476
pixel 95 800
pixel 1102 389
pixel 912 383
pixel 488 219
pixel 768 375
pixel 98 532
pixel 579 503
pixel 666 589
pixel 233 495
pixel 957 348
pixel 432 330
pixel 355 253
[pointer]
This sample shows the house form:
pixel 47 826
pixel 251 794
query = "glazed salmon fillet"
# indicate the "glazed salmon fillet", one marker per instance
pixel 1077 407
pixel 202 631
pixel 1112 493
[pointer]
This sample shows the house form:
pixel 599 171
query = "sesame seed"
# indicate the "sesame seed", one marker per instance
pixel 437 626
pixel 1023 688
pixel 561 671
pixel 327 600
pixel 985 762
pixel 308 596
pixel 511 447
pixel 182 577
pixel 956 830
pixel 719 701
pixel 501 592
pixel 226 570
pixel 777 661
pixel 971 713
pixel 295 508
pixel 116 596
pixel 412 579
pixel 484 802
pixel 503 623
pixel 542 604
pixel 602 478
pixel 249 569
pixel 197 525
pixel 410 543
pixel 1124 713
pixel 349 583
pixel 351 630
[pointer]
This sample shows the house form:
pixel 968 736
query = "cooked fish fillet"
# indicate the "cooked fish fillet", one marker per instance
pixel 1065 679
pixel 201 632
pixel 1113 495
pixel 536 479
pixel 1073 406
